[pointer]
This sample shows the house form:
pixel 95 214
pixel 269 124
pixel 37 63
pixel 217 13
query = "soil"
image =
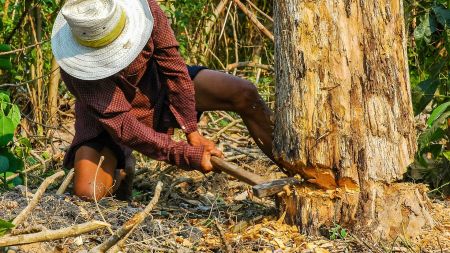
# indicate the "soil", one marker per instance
pixel 191 211
pixel 196 212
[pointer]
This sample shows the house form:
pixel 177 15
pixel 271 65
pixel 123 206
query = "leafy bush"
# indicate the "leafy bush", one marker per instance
pixel 11 153
pixel 429 54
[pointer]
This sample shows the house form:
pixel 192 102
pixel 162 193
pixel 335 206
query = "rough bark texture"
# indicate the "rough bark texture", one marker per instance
pixel 344 113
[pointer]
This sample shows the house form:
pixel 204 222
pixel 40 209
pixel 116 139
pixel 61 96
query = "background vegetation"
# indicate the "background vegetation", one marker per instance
pixel 217 34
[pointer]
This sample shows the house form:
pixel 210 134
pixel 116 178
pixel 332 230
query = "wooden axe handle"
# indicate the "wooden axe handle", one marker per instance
pixel 237 172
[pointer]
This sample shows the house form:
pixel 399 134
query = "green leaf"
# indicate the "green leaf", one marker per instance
pixel 446 154
pixel 7 128
pixel 22 148
pixel 5 48
pixel 343 233
pixel 429 136
pixel 14 115
pixel 423 93
pixel 4 97
pixel 437 112
pixel 17 181
pixel 426 27
pixel 5 226
pixel 4 164
pixel 16 164
pixel 442 15
pixel 5 60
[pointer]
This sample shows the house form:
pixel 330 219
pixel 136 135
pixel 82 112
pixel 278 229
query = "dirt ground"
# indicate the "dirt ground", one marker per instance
pixel 195 213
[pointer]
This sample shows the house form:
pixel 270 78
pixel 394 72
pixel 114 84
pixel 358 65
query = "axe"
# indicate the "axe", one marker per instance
pixel 261 187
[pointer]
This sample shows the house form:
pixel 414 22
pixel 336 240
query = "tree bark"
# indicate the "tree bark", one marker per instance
pixel 344 113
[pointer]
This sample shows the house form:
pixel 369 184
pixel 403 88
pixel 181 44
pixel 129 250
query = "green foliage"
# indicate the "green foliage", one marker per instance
pixel 432 163
pixel 5 60
pixel 5 226
pixel 11 153
pixel 337 232
pixel 429 60
pixel 184 14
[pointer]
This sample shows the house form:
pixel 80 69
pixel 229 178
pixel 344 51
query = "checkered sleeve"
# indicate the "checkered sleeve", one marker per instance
pixel 172 66
pixel 107 102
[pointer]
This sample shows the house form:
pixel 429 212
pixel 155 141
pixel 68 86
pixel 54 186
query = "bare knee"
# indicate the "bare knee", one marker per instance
pixel 87 192
pixel 247 99
pixel 93 181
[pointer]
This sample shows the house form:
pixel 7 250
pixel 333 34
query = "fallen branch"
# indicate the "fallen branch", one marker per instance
pixel 49 235
pixel 29 230
pixel 236 65
pixel 254 19
pixel 223 130
pixel 123 232
pixel 37 196
pixel 66 182
pixel 235 157
pixel 26 170
pixel 228 249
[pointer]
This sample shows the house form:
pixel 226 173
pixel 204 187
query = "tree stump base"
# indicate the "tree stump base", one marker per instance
pixel 382 211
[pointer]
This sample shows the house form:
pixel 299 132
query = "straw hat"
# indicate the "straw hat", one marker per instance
pixel 95 39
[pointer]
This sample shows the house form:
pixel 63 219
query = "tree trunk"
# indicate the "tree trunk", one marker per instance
pixel 344 115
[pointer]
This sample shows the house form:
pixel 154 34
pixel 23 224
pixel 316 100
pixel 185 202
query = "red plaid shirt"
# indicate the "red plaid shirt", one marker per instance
pixel 140 105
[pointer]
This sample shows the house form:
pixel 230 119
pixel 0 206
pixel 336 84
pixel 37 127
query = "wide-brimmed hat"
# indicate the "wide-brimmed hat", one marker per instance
pixel 95 39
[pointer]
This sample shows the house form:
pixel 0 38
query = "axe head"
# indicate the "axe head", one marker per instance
pixel 273 187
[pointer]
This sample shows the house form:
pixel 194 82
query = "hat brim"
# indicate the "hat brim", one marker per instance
pixel 97 63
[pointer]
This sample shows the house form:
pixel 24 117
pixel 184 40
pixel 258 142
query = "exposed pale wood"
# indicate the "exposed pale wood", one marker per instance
pixel 49 235
pixel 343 93
pixel 343 112
pixel 123 232
pixel 66 182
pixel 391 210
pixel 37 196
pixel 273 187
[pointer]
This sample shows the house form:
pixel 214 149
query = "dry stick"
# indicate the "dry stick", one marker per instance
pixel 228 249
pixel 24 48
pixel 219 9
pixel 37 196
pixel 254 19
pixel 5 85
pixel 260 11
pixel 123 232
pixel 39 158
pixel 217 136
pixel 49 235
pixel 236 157
pixel 28 230
pixel 236 65
pixel 25 171
pixel 66 182
pixel 236 42
pixel 225 21
pixel 102 158
pixel 242 151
